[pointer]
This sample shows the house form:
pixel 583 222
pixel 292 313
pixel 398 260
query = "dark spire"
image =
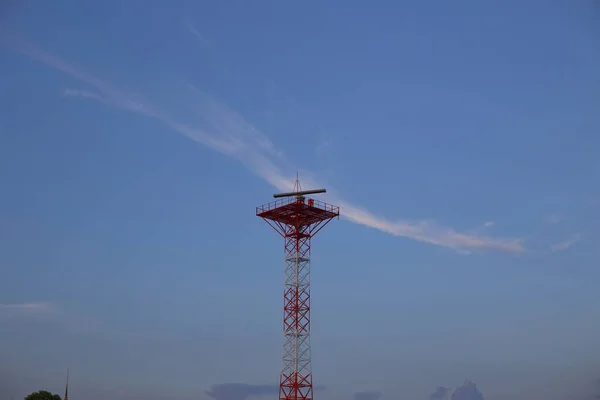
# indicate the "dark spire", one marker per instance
pixel 67 387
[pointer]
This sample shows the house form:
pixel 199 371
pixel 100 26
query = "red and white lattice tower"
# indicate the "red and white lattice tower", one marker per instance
pixel 297 219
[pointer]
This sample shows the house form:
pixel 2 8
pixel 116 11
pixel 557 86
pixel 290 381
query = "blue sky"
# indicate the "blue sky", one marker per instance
pixel 459 138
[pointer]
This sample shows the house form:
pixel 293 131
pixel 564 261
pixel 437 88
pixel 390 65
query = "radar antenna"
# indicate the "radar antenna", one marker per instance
pixel 298 192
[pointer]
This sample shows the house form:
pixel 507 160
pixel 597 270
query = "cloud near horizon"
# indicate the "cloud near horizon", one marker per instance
pixel 225 131
pixel 440 393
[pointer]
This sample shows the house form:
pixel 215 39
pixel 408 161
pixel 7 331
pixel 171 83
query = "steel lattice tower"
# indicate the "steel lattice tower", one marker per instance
pixel 297 219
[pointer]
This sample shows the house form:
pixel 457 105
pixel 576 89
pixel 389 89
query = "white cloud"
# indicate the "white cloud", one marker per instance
pixel 225 131
pixel 489 224
pixel 430 232
pixel 565 244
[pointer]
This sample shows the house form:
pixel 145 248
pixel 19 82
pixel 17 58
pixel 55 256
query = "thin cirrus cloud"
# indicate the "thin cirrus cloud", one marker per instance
pixel 565 244
pixel 191 28
pixel 24 310
pixel 225 131
pixel 67 319
pixel 26 307
pixel 83 94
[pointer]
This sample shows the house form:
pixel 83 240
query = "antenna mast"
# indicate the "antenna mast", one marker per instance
pixel 67 387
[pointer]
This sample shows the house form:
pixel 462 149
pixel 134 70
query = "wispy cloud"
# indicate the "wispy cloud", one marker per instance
pixel 82 324
pixel 225 131
pixel 27 307
pixel 33 309
pixel 430 232
pixel 566 244
pixel 190 26
pixel 84 94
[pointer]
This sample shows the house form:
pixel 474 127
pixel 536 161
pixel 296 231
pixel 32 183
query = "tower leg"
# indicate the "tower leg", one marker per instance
pixel 296 376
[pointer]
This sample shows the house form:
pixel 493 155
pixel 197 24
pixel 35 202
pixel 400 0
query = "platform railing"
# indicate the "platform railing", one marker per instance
pixel 289 200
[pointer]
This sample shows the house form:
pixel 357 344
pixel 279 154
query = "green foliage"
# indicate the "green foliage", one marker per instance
pixel 42 395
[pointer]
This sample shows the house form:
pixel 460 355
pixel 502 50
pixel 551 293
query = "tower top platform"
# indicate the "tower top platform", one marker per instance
pixel 297 211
